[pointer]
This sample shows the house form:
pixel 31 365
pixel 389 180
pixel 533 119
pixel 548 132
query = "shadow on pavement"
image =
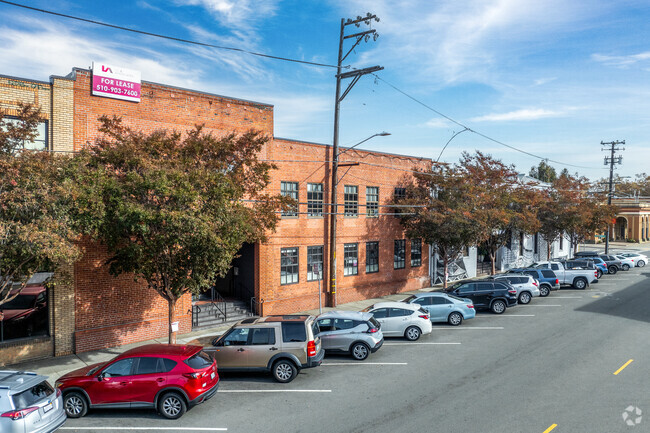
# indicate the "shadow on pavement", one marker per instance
pixel 631 303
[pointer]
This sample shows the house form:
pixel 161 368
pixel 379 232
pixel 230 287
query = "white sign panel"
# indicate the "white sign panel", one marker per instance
pixel 116 82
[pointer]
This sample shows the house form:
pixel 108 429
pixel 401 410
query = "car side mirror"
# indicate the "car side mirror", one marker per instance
pixel 101 377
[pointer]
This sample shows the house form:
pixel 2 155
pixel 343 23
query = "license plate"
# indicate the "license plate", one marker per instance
pixel 212 375
pixel 47 408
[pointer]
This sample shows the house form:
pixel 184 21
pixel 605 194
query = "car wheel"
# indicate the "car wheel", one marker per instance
pixel 172 405
pixel 524 298
pixel 640 263
pixel 284 371
pixel 498 307
pixel 579 283
pixel 412 333
pixel 360 351
pixel 455 319
pixel 599 274
pixel 75 405
pixel 612 270
pixel 544 290
pixel 626 267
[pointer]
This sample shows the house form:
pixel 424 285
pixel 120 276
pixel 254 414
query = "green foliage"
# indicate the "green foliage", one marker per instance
pixel 174 209
pixel 543 172
pixel 36 224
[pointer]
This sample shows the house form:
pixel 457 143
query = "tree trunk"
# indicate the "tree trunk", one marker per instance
pixel 493 259
pixel 445 264
pixel 171 305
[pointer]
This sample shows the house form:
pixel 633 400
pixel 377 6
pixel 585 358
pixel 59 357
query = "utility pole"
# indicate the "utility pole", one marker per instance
pixel 355 74
pixel 610 160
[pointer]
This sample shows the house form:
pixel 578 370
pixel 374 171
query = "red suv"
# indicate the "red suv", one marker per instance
pixel 168 377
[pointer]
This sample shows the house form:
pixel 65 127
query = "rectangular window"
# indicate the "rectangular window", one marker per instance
pixel 351 200
pixel 416 252
pixel 398 194
pixel 372 201
pixel 315 199
pixel 315 263
pixel 290 189
pixel 288 265
pixel 31 318
pixel 350 259
pixel 372 257
pixel 40 139
pixel 561 242
pixel 536 244
pixel 399 258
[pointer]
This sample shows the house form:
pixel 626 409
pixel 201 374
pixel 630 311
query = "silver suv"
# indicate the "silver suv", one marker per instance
pixel 527 287
pixel 281 345
pixel 352 332
pixel 29 404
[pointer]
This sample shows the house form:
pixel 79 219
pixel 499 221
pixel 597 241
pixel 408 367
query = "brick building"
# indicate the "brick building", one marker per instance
pixel 375 258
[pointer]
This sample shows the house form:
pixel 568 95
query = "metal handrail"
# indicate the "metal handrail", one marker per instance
pixel 219 304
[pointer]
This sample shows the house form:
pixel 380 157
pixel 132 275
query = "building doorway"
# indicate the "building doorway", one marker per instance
pixel 239 282
pixel 620 229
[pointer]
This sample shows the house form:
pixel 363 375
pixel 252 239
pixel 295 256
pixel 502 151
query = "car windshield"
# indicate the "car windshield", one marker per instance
pixel 20 302
pixel 95 369
pixel 370 307
pixel 410 299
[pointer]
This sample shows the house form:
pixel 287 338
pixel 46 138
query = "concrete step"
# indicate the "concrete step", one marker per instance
pixel 212 323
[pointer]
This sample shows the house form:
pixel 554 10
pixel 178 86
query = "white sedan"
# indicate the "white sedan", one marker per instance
pixel 640 260
pixel 398 319
pixel 626 262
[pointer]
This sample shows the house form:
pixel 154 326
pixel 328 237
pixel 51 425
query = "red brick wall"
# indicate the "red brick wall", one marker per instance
pixel 375 169
pixel 169 108
pixel 113 311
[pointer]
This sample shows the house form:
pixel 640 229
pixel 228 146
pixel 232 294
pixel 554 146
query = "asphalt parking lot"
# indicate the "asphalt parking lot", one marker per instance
pixel 547 366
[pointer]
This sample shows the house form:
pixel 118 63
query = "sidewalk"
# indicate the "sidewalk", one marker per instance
pixel 57 367
pixel 616 247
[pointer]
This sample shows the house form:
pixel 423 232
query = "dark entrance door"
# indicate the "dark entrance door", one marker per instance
pixel 239 282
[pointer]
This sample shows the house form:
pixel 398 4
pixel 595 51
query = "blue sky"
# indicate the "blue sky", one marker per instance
pixel 551 77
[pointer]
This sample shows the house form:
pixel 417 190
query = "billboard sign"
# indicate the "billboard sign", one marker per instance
pixel 114 82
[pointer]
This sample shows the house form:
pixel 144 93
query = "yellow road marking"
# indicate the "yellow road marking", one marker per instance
pixel 550 428
pixel 624 365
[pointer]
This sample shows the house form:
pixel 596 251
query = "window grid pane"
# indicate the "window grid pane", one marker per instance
pixel 351 200
pixel 350 259
pixel 315 263
pixel 288 265
pixel 399 193
pixel 416 252
pixel 290 189
pixel 372 257
pixel 372 201
pixel 399 260
pixel 315 199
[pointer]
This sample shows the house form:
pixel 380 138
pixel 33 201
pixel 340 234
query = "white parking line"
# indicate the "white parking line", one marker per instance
pixel 415 342
pixel 567 297
pixel 544 305
pixel 148 428
pixel 365 363
pixel 471 327
pixel 274 390
pixel 504 315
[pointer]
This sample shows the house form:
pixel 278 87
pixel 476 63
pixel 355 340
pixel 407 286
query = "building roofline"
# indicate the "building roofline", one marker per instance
pixel 423 158
pixel 11 77
pixel 75 69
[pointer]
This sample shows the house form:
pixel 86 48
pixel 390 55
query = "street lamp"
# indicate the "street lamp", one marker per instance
pixel 334 211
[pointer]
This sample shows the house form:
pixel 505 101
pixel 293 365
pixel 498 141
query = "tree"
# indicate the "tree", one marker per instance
pixel 543 172
pixel 37 230
pixel 441 212
pixel 177 207
pixel 502 205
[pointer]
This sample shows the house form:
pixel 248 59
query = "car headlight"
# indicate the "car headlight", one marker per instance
pixel 58 384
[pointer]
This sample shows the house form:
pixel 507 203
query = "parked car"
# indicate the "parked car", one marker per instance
pixel 545 277
pixel 26 314
pixel 486 294
pixel 28 403
pixel 601 266
pixel 640 259
pixel 583 254
pixel 281 345
pixel 590 263
pixel 169 377
pixel 443 307
pixel 626 262
pixel 398 319
pixel 527 287
pixel 578 278
pixel 613 264
pixel 352 332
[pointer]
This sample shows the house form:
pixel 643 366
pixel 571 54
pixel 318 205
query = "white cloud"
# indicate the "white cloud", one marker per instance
pixel 622 61
pixel 236 13
pixel 438 123
pixel 524 114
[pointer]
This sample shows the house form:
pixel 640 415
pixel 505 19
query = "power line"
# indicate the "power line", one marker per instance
pixel 467 128
pixel 172 38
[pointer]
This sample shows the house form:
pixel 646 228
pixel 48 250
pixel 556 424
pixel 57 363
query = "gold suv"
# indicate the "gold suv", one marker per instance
pixel 281 345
